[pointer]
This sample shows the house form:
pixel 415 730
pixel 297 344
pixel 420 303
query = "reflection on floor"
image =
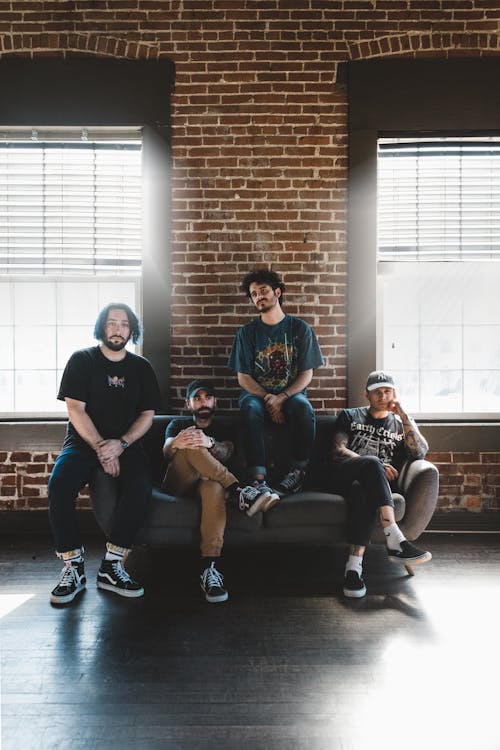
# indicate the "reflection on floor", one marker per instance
pixel 287 663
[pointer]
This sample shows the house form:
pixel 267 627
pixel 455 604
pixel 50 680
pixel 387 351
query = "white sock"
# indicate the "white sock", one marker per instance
pixel 394 536
pixel 73 555
pixel 355 563
pixel 114 552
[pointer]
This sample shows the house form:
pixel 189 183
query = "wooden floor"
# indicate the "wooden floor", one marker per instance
pixel 286 664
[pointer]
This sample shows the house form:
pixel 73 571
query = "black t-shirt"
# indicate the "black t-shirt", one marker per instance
pixel 214 429
pixel 374 437
pixel 114 393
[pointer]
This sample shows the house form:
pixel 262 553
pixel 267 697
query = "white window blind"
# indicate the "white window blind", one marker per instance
pixel 69 207
pixel 437 313
pixel 70 243
pixel 439 200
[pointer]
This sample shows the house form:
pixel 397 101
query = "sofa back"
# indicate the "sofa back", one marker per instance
pixel 278 438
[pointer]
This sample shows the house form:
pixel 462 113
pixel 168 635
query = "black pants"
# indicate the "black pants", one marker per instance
pixel 363 505
pixel 72 470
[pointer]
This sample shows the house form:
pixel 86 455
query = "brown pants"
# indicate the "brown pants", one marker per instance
pixel 194 471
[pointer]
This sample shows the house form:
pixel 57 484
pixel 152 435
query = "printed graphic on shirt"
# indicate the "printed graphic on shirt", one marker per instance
pixel 369 440
pixel 275 364
pixel 115 382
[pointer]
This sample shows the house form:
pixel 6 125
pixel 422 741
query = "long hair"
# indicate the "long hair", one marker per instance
pixel 263 276
pixel 133 321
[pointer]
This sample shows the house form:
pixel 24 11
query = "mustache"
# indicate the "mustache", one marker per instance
pixel 204 410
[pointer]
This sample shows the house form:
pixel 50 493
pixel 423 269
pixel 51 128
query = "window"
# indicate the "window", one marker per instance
pixel 438 272
pixel 70 242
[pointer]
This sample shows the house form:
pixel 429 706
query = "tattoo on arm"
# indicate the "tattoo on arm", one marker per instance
pixel 340 441
pixel 415 442
pixel 339 447
pixel 223 451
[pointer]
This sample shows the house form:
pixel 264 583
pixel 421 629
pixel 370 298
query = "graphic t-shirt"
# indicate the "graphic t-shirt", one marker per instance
pixel 275 355
pixel 373 437
pixel 114 393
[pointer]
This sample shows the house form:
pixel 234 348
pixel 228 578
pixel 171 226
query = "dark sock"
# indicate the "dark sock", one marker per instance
pixel 207 561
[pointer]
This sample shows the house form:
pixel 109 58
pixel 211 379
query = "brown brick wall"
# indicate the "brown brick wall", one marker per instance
pixel 468 481
pixel 259 147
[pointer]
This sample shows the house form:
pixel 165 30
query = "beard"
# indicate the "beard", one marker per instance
pixel 118 346
pixel 203 414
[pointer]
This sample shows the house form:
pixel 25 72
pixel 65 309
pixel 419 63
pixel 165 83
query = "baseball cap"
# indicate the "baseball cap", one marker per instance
pixel 379 379
pixel 199 385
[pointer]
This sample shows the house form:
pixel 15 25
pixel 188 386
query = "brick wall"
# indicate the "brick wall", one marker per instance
pixel 468 481
pixel 259 150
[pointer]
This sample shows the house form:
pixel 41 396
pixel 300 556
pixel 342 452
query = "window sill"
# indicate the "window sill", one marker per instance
pixel 441 436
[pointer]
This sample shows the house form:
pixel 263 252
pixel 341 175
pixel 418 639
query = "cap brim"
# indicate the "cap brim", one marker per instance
pixel 374 386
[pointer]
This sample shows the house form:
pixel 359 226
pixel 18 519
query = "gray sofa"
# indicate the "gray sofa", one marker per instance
pixel 309 517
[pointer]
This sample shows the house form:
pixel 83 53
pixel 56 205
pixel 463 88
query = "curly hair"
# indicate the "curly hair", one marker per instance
pixel 263 276
pixel 133 320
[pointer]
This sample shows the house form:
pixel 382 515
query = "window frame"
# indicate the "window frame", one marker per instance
pixel 110 93
pixel 401 98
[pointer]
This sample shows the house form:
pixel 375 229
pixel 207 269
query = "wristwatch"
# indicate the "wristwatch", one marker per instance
pixel 123 443
pixel 212 442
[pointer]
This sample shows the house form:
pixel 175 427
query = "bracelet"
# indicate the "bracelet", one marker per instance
pixel 286 393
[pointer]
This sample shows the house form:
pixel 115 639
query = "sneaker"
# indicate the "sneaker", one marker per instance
pixel 409 554
pixel 71 582
pixel 354 585
pixel 291 483
pixel 252 499
pixel 212 583
pixel 112 576
pixel 273 496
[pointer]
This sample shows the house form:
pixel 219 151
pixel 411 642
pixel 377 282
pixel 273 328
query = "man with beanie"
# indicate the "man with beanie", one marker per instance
pixel 198 450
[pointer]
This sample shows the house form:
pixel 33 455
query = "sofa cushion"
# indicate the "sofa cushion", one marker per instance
pixel 307 509
pixel 182 512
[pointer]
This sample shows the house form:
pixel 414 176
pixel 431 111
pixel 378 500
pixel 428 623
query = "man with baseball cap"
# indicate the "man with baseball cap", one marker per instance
pixel 198 452
pixel 370 445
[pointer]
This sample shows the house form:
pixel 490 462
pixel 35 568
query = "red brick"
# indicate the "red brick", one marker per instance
pixel 20 457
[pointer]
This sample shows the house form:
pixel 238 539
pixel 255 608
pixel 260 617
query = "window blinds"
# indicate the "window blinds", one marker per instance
pixel 439 200
pixel 69 207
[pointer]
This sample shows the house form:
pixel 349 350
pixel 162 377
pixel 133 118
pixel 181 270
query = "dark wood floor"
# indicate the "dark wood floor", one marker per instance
pixel 287 664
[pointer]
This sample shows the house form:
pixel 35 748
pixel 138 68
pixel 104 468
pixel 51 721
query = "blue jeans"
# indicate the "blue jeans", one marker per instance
pixel 300 419
pixel 72 470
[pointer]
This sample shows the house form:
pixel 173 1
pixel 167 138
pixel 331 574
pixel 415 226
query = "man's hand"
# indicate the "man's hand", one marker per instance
pixel 111 467
pixel 390 472
pixel 395 406
pixel 191 438
pixel 274 406
pixel 109 450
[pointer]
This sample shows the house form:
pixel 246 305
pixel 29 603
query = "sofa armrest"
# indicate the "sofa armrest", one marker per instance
pixel 419 483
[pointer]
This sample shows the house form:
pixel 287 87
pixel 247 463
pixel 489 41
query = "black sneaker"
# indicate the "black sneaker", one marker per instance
pixel 273 496
pixel 212 583
pixel 71 582
pixel 409 554
pixel 354 585
pixel 252 499
pixel 112 576
pixel 291 483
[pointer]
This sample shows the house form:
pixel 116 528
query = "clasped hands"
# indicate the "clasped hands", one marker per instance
pixel 273 403
pixel 108 453
pixel 191 438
